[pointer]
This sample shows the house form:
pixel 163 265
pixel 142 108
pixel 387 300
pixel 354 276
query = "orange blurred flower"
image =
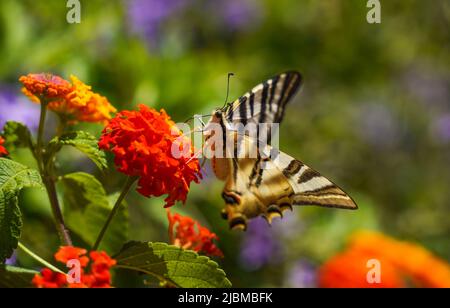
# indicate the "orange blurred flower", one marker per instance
pixel 398 260
pixel 98 277
pixel 73 101
pixel 44 85
pixel 142 143
pixel 187 233
pixel 3 151
pixel 349 270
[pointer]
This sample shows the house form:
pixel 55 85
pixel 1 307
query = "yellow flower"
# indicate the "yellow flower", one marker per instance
pixel 80 93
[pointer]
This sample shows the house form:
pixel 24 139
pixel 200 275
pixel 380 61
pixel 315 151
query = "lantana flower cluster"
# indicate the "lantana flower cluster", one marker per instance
pixel 95 270
pixel 74 101
pixel 142 143
pixel 400 262
pixel 187 233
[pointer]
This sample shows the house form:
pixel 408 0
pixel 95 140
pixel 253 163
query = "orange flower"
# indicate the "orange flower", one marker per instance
pixel 66 253
pixel 37 86
pixel 3 151
pixel 189 234
pixel 98 277
pixel 397 260
pixel 73 101
pixel 349 270
pixel 418 263
pixel 142 143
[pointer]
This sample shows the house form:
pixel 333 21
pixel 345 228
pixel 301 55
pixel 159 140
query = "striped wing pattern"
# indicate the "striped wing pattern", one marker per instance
pixel 266 102
pixel 310 187
pixel 267 187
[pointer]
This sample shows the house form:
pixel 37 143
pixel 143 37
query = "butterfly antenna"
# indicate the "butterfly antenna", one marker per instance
pixel 228 89
pixel 201 116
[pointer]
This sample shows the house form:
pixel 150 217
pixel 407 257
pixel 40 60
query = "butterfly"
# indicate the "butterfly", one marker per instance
pixel 270 182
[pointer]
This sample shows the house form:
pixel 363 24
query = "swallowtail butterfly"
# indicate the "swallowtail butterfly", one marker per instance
pixel 260 185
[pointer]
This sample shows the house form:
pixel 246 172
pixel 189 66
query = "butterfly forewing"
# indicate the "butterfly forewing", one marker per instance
pixel 266 102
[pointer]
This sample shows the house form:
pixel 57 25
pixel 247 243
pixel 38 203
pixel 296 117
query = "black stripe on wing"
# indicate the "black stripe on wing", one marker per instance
pixel 266 102
pixel 291 84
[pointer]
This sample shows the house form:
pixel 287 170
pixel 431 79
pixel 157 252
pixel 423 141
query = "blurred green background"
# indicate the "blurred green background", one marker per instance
pixel 373 113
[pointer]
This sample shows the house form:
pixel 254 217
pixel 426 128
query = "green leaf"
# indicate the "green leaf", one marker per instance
pixel 171 264
pixel 17 135
pixel 82 141
pixel 13 177
pixel 86 208
pixel 15 277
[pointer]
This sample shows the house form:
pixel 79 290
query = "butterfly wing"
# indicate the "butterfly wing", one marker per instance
pixel 269 185
pixel 266 102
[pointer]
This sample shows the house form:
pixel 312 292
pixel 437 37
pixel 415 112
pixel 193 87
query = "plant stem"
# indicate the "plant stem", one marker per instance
pixel 61 125
pixel 123 193
pixel 56 210
pixel 40 135
pixel 37 258
pixel 48 180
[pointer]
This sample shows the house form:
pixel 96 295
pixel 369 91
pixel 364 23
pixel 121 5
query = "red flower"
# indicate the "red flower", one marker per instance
pixel 49 279
pixel 98 277
pixel 189 234
pixel 142 143
pixel 101 277
pixel 3 151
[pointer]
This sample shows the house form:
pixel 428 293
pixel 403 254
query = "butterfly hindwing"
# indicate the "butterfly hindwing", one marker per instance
pixel 267 186
pixel 310 187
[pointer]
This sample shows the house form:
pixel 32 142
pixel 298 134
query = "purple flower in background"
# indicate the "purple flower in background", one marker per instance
pixel 15 107
pixel 288 226
pixel 146 16
pixel 240 14
pixel 441 128
pixel 302 275
pixel 377 125
pixel 429 86
pixel 260 245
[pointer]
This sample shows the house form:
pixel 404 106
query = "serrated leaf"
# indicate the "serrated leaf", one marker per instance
pixel 171 264
pixel 15 277
pixel 84 142
pixel 17 135
pixel 13 177
pixel 86 208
